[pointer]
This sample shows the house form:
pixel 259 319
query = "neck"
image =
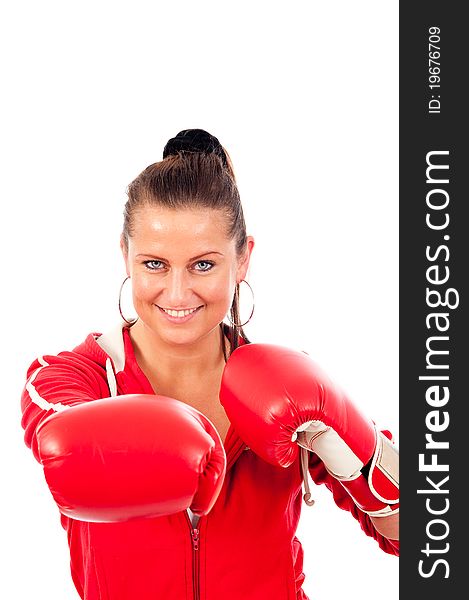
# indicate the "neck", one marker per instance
pixel 191 360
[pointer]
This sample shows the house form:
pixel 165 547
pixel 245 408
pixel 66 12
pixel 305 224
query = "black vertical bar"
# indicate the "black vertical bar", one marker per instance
pixel 434 268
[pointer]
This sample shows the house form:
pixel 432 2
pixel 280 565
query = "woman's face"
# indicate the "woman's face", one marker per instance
pixel 182 260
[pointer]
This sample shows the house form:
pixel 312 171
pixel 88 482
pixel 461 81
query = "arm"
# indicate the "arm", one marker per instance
pixel 55 383
pixel 367 482
pixel 278 399
pixel 342 499
pixel 114 459
pixel 388 526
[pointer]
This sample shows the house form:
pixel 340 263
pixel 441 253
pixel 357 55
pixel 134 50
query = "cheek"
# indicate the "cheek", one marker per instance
pixel 220 290
pixel 143 288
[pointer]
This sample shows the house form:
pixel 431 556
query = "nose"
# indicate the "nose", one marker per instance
pixel 178 289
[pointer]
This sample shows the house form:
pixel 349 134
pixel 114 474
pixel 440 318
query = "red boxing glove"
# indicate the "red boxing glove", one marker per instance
pixel 277 398
pixel 131 456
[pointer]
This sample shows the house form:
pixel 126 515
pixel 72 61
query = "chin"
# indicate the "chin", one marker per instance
pixel 181 336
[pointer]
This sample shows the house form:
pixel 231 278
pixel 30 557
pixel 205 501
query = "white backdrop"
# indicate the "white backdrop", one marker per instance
pixel 304 96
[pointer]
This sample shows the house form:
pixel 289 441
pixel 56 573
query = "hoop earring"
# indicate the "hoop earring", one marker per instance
pixel 252 311
pixel 120 308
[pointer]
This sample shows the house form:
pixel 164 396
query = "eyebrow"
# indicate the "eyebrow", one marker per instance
pixel 152 256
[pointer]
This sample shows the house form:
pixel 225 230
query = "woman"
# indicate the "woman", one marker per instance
pixel 175 482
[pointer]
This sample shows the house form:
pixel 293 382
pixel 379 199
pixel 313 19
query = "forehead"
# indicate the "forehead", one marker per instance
pixel 179 230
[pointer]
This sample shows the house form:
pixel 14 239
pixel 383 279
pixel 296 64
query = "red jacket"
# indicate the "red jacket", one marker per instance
pixel 245 548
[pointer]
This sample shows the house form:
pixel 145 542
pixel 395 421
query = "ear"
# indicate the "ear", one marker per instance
pixel 243 264
pixel 125 254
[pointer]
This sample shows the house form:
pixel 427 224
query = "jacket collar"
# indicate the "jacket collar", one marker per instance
pixel 112 343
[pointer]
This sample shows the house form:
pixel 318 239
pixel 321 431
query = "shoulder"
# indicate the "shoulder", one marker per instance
pixel 82 373
pixel 86 355
pixel 96 348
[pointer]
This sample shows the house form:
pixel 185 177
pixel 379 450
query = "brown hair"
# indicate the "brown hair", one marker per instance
pixel 193 174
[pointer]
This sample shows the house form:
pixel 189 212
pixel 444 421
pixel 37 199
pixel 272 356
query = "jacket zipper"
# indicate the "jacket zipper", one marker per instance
pixel 195 535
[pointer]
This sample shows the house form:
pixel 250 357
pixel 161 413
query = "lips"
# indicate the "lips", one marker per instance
pixel 179 313
pixel 179 319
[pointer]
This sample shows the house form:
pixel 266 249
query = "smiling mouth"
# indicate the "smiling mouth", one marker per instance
pixel 179 313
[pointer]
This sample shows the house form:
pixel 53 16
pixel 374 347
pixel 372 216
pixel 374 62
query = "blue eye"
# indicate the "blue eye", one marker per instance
pixel 150 264
pixel 156 265
pixel 206 262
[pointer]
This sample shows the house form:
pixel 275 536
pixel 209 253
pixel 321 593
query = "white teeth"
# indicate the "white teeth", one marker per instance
pixel 179 313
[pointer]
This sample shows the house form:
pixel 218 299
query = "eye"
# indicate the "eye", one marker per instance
pixel 207 263
pixel 152 265
pixel 157 265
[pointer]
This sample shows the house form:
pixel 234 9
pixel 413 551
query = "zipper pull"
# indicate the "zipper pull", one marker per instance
pixel 195 538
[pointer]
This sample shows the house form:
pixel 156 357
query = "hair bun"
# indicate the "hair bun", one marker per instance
pixel 194 140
